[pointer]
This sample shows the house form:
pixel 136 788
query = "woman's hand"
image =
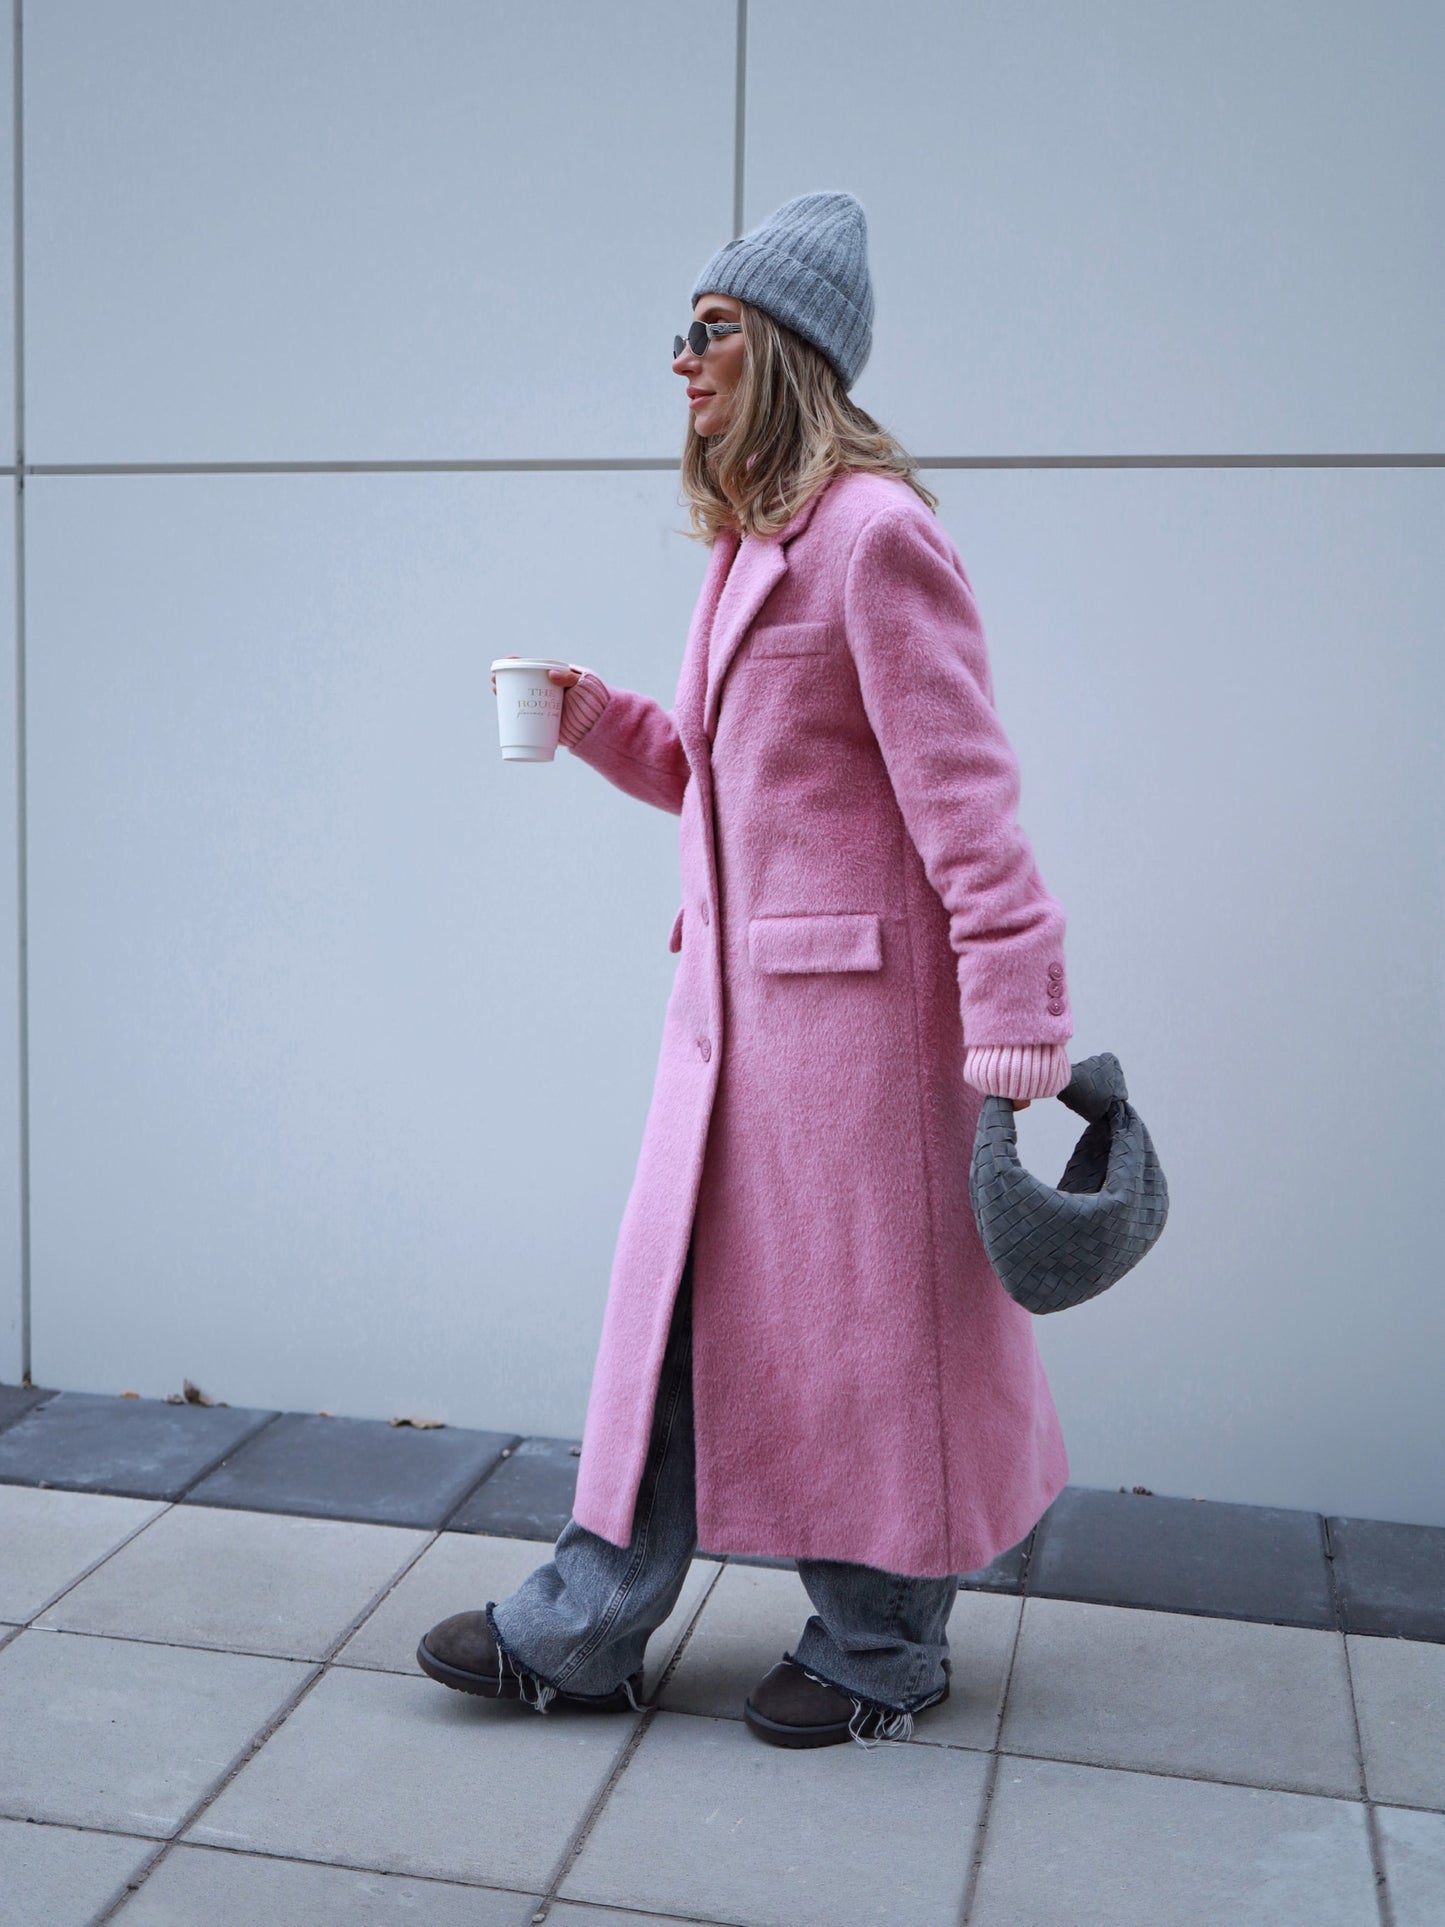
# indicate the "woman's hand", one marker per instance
pixel 564 678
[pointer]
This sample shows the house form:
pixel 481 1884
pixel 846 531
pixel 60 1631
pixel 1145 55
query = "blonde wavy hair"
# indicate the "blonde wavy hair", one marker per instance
pixel 793 427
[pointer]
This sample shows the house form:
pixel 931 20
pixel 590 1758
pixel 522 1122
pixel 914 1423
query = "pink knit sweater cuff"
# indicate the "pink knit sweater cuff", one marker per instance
pixel 1017 1070
pixel 582 704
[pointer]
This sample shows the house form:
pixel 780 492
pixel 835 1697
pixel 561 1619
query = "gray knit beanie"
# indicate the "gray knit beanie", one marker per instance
pixel 806 266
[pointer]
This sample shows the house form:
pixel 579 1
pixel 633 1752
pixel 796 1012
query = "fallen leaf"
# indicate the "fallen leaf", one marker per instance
pixel 326 1415
pixel 130 1394
pixel 178 1398
pixel 194 1395
pixel 421 1424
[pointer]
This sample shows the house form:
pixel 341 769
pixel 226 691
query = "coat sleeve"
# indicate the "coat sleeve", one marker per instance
pixel 629 737
pixel 918 648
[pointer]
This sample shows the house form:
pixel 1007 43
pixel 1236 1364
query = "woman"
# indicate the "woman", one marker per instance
pixel 804 1351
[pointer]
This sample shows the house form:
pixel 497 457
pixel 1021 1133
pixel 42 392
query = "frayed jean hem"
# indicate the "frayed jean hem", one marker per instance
pixel 873 1718
pixel 542 1690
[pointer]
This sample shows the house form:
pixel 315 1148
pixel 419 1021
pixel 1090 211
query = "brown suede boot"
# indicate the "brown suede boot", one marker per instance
pixel 788 1707
pixel 463 1652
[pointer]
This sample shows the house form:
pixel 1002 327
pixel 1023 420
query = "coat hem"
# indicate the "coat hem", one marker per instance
pixel 966 1558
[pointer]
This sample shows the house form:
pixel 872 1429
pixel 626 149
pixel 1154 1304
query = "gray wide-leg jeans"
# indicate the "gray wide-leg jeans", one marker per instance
pixel 580 1623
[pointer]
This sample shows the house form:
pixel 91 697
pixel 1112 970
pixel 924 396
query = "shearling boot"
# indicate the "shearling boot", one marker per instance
pixel 465 1653
pixel 790 1707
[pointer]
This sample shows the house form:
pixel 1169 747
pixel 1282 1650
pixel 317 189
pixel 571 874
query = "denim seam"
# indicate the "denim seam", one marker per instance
pixel 894 1624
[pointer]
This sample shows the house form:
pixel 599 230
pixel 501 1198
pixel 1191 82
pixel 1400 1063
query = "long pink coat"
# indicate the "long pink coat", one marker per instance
pixel 858 900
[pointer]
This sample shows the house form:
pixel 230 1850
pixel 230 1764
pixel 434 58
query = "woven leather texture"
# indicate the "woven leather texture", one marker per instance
pixel 1053 1248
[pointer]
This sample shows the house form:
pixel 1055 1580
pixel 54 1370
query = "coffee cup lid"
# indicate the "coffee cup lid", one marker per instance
pixel 530 662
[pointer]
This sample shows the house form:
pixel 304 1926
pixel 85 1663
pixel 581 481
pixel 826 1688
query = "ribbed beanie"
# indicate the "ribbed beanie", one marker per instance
pixel 806 266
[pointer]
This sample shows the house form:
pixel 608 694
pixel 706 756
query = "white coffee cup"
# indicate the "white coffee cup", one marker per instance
pixel 529 707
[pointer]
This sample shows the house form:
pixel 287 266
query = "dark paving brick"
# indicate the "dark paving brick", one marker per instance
pixel 17 1400
pixel 1003 1574
pixel 1185 1556
pixel 528 1496
pixel 1391 1578
pixel 140 1448
pixel 353 1468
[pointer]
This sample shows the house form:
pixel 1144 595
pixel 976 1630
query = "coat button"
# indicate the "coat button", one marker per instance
pixel 704 1049
pixel 1056 972
pixel 704 912
pixel 1056 1009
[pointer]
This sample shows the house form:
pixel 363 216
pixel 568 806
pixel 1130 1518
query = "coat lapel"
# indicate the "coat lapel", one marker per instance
pixel 759 567
pixel 688 710
pixel 732 594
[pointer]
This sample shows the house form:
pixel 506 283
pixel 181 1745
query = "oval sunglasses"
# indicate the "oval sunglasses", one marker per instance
pixel 700 333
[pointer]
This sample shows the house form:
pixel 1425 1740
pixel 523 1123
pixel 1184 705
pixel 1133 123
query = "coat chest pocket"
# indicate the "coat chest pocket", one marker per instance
pixel 780 639
pixel 785 945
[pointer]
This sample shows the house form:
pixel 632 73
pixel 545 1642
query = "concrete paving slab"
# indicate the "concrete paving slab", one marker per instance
pixel 1094 1847
pixel 353 1468
pixel 459 1573
pixel 1391 1577
pixel 194 1884
pixel 706 1816
pixel 753 1616
pixel 61 1875
pixel 17 1400
pixel 528 1496
pixel 1257 1562
pixel 1172 1693
pixel 1400 1699
pixel 1414 1851
pixel 401 1775
pixel 238 1581
pixel 51 1538
pixel 141 1448
pixel 111 1733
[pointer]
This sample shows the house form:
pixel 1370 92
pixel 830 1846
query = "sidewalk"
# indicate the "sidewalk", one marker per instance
pixel 1164 1712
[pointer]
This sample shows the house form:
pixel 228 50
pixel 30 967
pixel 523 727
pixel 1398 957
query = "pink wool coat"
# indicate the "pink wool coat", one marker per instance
pixel 859 904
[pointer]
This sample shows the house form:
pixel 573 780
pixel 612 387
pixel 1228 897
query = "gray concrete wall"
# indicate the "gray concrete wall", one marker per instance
pixel 341 1032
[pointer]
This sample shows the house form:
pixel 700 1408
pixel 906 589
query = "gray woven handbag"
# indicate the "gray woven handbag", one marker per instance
pixel 1056 1248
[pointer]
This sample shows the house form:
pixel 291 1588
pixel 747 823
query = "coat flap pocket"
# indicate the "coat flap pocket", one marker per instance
pixel 845 942
pixel 674 942
pixel 790 639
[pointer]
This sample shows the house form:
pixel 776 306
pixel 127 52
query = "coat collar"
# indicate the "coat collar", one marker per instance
pixel 761 563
